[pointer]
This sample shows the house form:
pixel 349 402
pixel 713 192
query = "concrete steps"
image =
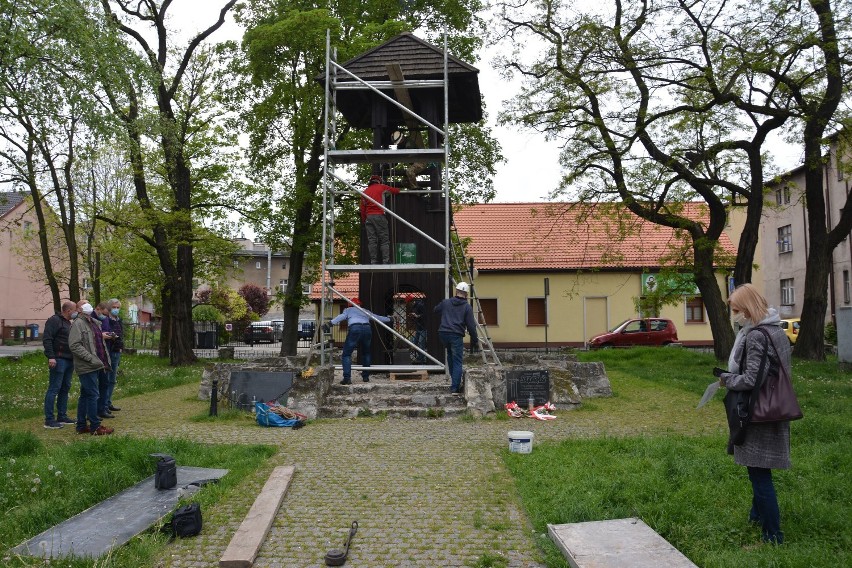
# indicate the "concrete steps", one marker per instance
pixel 411 399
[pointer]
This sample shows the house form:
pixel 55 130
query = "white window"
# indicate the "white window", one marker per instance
pixel 782 195
pixel 788 292
pixel 257 265
pixel 306 288
pixel 282 284
pixel 785 239
pixel 847 292
pixel 284 265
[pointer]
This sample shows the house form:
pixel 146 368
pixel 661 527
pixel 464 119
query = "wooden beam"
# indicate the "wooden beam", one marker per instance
pixel 246 542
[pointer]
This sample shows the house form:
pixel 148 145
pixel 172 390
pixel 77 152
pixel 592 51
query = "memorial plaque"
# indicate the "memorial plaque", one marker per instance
pixel 522 383
pixel 263 386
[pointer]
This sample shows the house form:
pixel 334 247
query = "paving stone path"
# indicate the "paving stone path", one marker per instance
pixel 424 493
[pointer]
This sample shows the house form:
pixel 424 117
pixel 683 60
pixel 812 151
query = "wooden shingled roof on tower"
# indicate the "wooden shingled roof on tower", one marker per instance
pixel 419 60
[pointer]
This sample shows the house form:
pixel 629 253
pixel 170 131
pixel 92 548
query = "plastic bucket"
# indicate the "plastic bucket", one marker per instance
pixel 520 441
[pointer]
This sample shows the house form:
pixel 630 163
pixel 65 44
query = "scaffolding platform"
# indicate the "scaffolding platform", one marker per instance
pixel 384 267
pixel 391 156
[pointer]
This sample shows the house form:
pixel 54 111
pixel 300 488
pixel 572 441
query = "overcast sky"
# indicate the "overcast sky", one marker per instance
pixel 531 168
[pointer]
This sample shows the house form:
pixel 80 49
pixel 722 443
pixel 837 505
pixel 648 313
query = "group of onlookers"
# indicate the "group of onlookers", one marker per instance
pixel 89 340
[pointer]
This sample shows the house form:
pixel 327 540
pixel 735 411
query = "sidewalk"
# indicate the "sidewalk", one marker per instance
pixel 18 350
pixel 425 492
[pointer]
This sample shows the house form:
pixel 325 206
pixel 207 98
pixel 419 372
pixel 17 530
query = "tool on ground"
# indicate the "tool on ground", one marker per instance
pixel 337 557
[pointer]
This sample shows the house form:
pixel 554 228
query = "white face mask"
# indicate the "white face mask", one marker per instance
pixel 740 318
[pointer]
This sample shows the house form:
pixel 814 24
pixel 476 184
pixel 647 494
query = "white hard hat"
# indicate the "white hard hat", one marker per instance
pixel 463 287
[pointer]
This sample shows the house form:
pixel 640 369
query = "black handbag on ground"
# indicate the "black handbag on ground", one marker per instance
pixel 165 477
pixel 186 520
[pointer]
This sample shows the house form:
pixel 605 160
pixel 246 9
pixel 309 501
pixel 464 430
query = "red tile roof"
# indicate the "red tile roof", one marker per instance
pixel 563 236
pixel 572 236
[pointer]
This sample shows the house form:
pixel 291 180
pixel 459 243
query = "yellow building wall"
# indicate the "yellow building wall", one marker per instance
pixel 580 305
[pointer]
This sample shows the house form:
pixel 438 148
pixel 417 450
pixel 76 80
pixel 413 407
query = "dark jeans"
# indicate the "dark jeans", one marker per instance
pixel 103 388
pixel 58 388
pixel 454 344
pixel 419 340
pixel 358 336
pixel 114 360
pixel 87 405
pixel 764 505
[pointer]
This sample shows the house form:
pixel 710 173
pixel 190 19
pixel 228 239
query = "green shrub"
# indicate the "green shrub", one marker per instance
pixel 831 333
pixel 206 312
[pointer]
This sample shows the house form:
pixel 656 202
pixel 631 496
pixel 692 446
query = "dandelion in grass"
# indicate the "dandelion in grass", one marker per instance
pixel 50 467
pixel 12 461
pixel 36 480
pixel 58 473
pixel 34 489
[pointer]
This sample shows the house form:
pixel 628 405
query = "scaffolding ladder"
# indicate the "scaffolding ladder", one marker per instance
pixel 331 180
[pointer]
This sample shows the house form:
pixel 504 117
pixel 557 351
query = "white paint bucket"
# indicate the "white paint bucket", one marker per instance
pixel 520 441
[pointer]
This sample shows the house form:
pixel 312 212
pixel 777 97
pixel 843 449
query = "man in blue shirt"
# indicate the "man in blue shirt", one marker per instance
pixel 456 315
pixel 359 335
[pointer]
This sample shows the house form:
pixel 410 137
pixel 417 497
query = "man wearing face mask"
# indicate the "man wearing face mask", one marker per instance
pixel 60 364
pixel 86 342
pixel 114 345
pixel 104 376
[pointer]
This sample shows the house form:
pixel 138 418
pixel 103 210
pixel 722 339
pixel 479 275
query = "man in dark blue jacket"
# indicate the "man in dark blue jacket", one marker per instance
pixel 456 315
pixel 60 363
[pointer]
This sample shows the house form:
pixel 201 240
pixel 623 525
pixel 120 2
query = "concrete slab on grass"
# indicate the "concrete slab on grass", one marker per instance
pixel 616 543
pixel 248 539
pixel 114 521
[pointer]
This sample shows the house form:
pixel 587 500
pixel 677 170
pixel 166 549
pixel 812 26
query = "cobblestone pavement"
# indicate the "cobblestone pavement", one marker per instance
pixel 424 492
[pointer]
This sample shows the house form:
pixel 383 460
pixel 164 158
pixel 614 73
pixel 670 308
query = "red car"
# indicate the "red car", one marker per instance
pixel 648 331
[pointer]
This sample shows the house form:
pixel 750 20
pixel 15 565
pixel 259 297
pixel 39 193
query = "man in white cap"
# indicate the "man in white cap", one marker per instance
pixel 456 315
pixel 86 342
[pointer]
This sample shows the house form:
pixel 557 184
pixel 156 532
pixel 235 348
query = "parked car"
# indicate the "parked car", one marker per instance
pixel 259 332
pixel 306 329
pixel 648 331
pixel 791 328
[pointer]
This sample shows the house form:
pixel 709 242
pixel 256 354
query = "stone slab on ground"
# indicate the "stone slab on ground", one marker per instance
pixel 114 521
pixel 616 543
pixel 246 542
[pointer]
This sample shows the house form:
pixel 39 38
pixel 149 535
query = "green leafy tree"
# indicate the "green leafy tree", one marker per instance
pixel 660 103
pixel 283 52
pixel 51 53
pixel 176 82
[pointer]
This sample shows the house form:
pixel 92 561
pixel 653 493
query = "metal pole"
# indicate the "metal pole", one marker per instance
pixel 546 319
pixel 447 201
pixel 214 397
pixel 324 189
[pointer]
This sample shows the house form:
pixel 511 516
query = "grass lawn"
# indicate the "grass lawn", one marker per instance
pixel 683 484
pixel 49 476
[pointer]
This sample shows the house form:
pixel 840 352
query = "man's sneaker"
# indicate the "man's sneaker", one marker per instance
pixel 85 430
pixel 66 420
pixel 102 431
pixel 52 424
pixel 113 408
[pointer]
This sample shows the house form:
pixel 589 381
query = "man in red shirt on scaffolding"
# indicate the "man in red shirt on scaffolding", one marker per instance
pixel 375 221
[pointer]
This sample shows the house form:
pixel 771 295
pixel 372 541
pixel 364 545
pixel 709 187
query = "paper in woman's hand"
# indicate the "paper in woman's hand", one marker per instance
pixel 708 393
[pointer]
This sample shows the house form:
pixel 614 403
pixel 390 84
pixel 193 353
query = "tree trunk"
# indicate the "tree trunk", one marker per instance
pixel 165 322
pixel 711 295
